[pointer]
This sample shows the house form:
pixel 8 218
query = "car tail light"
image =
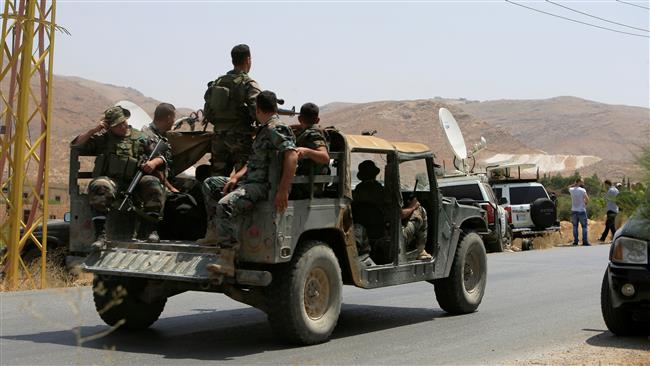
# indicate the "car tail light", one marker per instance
pixel 490 212
pixel 509 211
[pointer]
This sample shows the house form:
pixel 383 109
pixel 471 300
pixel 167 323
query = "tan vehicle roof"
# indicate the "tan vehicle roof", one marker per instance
pixel 376 144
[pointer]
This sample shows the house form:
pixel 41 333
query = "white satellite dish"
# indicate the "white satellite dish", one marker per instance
pixel 453 134
pixel 139 118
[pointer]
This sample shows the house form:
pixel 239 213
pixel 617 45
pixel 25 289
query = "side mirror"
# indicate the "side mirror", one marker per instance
pixel 503 201
pixel 66 217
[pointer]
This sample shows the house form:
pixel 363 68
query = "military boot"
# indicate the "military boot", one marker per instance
pixel 211 238
pixel 147 229
pixel 225 263
pixel 100 232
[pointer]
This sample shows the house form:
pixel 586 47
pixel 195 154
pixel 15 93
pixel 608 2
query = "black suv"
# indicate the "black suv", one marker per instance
pixel 625 292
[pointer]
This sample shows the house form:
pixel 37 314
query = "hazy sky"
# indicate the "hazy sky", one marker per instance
pixel 362 51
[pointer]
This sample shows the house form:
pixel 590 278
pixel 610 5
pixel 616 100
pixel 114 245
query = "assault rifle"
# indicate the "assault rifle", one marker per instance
pixel 159 148
pixel 286 112
pixel 190 120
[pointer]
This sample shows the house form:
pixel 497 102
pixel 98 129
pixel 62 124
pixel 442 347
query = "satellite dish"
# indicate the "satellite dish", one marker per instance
pixel 139 118
pixel 453 134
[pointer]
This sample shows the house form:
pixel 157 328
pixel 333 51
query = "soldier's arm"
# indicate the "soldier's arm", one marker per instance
pixel 315 148
pixel 288 171
pixel 86 136
pixel 319 155
pixel 252 90
pixel 232 182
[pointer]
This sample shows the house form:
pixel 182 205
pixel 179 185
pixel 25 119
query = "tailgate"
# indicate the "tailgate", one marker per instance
pixel 180 261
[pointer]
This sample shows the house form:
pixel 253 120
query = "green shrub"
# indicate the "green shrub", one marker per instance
pixel 564 208
pixel 596 208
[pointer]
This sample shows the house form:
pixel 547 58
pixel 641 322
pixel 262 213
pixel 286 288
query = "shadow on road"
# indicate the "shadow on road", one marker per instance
pixel 224 335
pixel 607 339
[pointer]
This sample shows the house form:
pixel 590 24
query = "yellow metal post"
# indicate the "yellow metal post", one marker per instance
pixel 26 63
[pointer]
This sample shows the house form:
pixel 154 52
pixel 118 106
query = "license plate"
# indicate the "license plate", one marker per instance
pixel 520 217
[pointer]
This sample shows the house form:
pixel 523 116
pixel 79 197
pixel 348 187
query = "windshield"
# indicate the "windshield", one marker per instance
pixel 526 195
pixel 470 191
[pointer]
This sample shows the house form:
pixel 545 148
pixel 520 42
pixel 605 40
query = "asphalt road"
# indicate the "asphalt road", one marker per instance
pixel 535 302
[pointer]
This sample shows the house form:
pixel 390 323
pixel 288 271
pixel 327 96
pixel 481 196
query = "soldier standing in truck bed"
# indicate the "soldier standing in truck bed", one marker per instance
pixel 250 184
pixel 118 149
pixel 230 107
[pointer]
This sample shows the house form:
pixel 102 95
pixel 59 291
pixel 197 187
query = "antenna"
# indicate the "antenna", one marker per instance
pixel 139 117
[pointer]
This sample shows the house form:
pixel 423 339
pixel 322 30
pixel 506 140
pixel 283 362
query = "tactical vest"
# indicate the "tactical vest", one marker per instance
pixel 120 158
pixel 225 101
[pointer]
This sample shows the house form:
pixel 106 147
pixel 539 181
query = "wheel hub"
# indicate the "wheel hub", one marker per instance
pixel 471 272
pixel 317 293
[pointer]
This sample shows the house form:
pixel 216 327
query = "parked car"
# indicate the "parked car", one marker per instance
pixel 532 211
pixel 625 291
pixel 58 237
pixel 474 188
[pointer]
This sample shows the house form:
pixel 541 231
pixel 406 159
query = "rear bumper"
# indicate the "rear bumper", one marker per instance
pixel 526 231
pixel 638 276
pixel 174 261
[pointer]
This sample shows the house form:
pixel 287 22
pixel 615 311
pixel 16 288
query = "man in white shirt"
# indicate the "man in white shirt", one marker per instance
pixel 579 199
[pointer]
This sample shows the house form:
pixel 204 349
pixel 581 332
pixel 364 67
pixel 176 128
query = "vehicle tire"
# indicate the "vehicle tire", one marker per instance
pixel 618 321
pixel 304 299
pixel 499 244
pixel 116 300
pixel 463 290
pixel 527 244
pixel 543 213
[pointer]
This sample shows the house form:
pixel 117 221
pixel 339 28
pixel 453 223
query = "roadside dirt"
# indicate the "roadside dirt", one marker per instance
pixel 601 349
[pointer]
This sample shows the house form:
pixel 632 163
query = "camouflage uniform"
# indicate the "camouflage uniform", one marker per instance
pixel 154 134
pixel 270 139
pixel 233 127
pixel 104 187
pixel 313 138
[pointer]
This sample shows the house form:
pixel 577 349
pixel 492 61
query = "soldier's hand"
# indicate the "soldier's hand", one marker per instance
pixel 148 167
pixel 302 152
pixel 101 126
pixel 230 185
pixel 281 201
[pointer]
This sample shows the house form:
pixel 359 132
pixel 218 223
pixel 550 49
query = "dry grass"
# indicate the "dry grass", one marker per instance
pixel 56 275
pixel 565 236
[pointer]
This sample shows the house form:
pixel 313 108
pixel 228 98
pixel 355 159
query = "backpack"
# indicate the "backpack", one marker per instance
pixel 225 99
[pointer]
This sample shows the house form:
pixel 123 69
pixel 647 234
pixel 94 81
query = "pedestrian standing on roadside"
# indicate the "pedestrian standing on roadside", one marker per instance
pixel 579 199
pixel 612 209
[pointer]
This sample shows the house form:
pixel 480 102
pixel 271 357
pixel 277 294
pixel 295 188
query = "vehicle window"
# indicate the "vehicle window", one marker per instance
pixel 471 191
pixel 489 192
pixel 412 171
pixel 358 158
pixel 498 192
pixel 524 195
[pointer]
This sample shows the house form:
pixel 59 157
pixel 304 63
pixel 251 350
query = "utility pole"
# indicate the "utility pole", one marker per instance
pixel 28 28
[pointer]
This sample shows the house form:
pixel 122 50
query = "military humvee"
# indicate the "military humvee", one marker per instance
pixel 293 265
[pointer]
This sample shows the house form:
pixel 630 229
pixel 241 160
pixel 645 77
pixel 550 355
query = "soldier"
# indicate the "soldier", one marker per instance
pixel 230 107
pixel 250 184
pixel 313 156
pixel 118 149
pixel 413 216
pixel 163 120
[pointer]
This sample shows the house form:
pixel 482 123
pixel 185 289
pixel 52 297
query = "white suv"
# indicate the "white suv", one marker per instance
pixel 474 189
pixel 532 212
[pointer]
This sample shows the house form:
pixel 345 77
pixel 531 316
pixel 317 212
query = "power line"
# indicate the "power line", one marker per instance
pixel 577 21
pixel 637 5
pixel 593 16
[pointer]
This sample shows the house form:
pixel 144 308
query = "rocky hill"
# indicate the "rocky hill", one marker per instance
pixel 563 125
pixel 570 125
pixel 417 121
